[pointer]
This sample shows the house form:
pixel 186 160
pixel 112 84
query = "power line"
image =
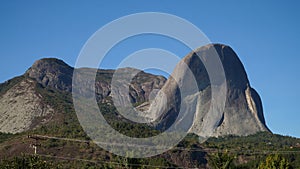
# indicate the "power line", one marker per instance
pixel 44 137
pixel 41 137
pixel 107 162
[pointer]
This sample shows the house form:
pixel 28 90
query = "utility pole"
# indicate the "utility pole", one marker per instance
pixel 35 145
pixel 35 148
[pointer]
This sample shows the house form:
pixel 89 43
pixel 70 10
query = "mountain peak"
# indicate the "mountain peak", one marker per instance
pixel 234 70
pixel 48 62
pixel 51 72
pixel 214 45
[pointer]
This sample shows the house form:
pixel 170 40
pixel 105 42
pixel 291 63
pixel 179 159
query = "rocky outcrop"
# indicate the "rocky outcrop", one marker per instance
pixel 52 73
pixel 20 106
pixel 243 113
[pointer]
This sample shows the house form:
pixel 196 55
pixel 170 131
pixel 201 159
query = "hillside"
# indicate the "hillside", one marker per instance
pixel 246 151
pixel 32 99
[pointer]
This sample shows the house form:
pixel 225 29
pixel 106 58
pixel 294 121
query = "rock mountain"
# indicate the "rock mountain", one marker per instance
pixel 23 106
pixel 243 112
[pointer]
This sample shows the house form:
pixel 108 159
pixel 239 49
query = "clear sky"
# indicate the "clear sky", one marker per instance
pixel 264 34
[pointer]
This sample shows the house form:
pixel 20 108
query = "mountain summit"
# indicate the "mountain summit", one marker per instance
pixel 51 72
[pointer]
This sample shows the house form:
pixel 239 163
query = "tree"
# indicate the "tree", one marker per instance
pixel 221 160
pixel 275 162
pixel 28 162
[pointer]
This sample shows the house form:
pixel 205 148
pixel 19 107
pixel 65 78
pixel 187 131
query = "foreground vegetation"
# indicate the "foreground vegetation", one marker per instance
pixel 262 150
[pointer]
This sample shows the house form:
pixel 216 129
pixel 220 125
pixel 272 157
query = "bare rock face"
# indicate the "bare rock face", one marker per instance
pixel 53 73
pixel 20 106
pixel 140 87
pixel 243 113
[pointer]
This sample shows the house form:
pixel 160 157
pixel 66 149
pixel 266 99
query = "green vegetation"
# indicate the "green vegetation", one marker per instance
pixel 5 136
pixel 124 126
pixel 27 162
pixel 252 151
pixel 37 162
pixel 275 162
pixel 263 141
pixel 221 160
pixel 65 122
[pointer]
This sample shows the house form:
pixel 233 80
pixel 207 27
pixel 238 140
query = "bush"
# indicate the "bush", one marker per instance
pixel 221 160
pixel 28 162
pixel 275 162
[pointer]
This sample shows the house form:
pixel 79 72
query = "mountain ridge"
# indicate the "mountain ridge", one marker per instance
pixel 52 73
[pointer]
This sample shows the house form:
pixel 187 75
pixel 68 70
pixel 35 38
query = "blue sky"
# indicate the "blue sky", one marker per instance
pixel 264 34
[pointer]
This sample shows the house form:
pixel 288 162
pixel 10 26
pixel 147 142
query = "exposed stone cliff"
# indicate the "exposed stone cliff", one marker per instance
pixel 243 113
